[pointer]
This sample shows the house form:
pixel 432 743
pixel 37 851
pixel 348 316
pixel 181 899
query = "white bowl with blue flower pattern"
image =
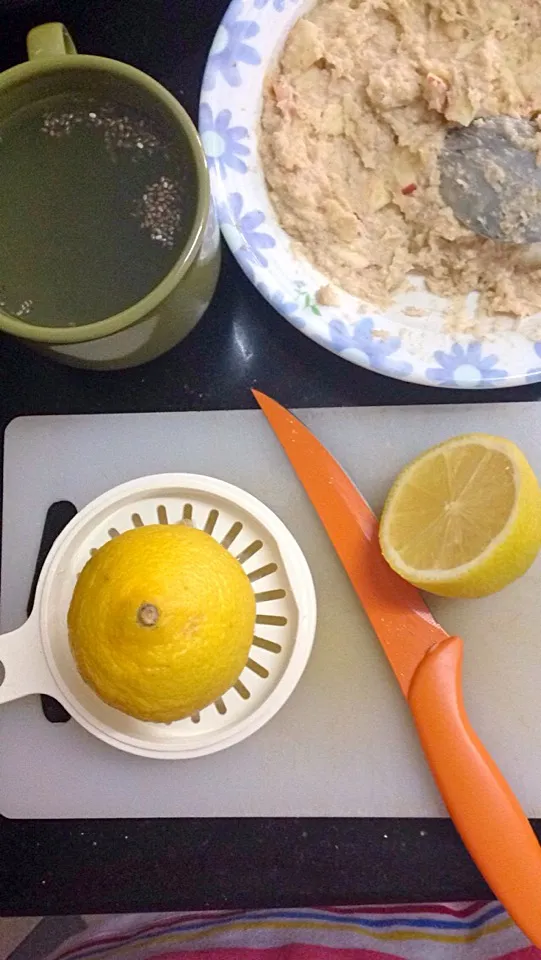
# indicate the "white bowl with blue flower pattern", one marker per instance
pixel 392 342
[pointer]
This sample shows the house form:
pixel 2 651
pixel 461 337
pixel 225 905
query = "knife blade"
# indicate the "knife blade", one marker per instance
pixel 396 610
pixel 427 663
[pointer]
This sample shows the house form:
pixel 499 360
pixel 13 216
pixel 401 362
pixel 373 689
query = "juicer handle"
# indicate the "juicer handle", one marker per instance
pixel 23 667
pixel 482 805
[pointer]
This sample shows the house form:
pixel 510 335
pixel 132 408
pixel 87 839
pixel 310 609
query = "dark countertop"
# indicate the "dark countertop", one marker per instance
pixel 134 865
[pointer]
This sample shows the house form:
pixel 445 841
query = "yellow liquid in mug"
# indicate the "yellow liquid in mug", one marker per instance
pixel 97 200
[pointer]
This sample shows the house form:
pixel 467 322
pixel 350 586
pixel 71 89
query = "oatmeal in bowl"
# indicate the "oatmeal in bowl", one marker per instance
pixel 323 125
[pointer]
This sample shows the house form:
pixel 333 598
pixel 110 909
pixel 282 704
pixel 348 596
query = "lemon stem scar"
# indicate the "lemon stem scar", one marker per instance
pixel 147 615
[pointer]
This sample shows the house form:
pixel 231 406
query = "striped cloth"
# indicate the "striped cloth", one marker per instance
pixel 456 931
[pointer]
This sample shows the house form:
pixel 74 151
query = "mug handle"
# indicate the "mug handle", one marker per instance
pixel 49 40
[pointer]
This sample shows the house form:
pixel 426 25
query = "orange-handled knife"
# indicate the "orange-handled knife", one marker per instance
pixel 427 663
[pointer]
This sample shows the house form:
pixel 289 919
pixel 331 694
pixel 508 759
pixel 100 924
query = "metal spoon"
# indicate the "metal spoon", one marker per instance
pixel 491 180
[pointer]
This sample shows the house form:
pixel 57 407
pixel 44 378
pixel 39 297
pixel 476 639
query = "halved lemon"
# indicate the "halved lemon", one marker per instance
pixel 464 518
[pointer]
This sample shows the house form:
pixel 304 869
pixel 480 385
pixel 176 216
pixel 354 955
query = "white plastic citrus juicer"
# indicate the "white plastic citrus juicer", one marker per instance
pixel 37 658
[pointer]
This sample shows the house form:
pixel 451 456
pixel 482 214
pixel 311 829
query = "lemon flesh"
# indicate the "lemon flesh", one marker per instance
pixel 161 622
pixel 464 518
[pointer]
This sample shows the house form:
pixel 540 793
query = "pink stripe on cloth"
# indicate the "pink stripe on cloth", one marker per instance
pixel 418 909
pixel 291 951
pixel 525 953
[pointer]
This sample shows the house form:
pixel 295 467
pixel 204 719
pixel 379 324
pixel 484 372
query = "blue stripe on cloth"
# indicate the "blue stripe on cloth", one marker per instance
pixel 360 920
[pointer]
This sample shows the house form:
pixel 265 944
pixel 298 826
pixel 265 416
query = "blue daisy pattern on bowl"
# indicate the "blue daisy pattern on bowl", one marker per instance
pixel 466 367
pixel 248 224
pixel 230 48
pixel 222 142
pixel 378 350
pixel 288 308
pixel 279 5
pixel 247 261
pixel 534 376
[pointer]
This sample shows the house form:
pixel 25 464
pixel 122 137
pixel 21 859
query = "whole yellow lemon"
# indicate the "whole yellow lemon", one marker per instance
pixel 161 622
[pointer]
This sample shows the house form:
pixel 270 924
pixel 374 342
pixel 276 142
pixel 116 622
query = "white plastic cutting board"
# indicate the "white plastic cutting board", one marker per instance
pixel 344 744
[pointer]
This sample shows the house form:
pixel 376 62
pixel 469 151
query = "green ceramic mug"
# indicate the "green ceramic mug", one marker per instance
pixel 165 315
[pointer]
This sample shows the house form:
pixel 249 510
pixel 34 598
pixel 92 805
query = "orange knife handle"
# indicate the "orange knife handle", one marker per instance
pixel 482 806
